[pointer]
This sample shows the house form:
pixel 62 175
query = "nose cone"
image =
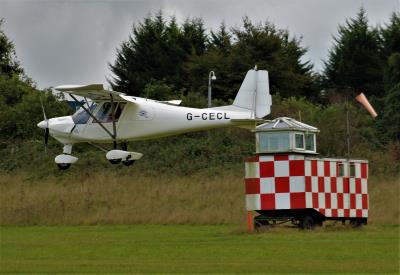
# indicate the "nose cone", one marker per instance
pixel 42 124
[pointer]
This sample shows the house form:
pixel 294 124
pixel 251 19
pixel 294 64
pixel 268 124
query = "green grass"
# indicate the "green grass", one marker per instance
pixel 185 248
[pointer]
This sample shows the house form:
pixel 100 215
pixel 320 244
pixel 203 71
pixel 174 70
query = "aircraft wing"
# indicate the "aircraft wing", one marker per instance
pixel 95 92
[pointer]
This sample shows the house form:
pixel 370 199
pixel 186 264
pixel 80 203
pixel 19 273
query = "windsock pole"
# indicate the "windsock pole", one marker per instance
pixel 347 127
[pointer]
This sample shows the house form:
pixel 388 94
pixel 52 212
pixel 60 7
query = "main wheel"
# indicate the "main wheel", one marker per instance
pixel 63 166
pixel 115 161
pixel 307 223
pixel 128 162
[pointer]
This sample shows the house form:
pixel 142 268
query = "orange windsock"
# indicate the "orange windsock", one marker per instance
pixel 364 101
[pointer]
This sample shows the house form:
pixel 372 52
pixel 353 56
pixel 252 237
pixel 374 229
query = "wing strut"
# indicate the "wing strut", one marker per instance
pixel 112 135
pixel 113 121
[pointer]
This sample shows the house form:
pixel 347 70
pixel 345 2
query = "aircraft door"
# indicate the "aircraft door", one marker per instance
pixel 104 115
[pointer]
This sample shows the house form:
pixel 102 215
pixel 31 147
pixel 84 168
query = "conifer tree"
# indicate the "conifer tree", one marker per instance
pixel 8 62
pixel 355 60
pixel 156 51
pixel 389 121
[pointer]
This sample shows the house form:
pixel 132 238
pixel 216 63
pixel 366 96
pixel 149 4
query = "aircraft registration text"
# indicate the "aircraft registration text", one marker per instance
pixel 208 116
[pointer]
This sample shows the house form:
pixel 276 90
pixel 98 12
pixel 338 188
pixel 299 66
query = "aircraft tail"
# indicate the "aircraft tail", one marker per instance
pixel 253 96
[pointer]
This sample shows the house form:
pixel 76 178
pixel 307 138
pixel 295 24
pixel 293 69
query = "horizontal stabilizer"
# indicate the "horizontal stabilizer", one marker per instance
pixel 249 124
pixel 173 102
pixel 249 120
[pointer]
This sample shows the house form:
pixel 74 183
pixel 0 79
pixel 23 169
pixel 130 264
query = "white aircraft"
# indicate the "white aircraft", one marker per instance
pixel 116 118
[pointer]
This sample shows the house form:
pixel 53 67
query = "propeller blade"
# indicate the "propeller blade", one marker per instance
pixel 46 131
pixel 44 113
pixel 46 138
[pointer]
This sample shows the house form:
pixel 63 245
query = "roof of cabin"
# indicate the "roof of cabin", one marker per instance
pixel 285 123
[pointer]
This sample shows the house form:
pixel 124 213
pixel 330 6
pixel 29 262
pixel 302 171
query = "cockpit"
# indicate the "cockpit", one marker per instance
pixel 101 111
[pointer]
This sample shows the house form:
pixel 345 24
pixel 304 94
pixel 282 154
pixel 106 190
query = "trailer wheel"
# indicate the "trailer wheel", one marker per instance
pixel 357 223
pixel 307 222
pixel 260 222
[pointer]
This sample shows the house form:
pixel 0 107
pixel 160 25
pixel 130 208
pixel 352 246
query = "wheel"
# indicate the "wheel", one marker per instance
pixel 307 223
pixel 128 162
pixel 260 222
pixel 63 166
pixel 115 161
pixel 356 223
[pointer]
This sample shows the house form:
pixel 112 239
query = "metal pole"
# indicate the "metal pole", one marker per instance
pixel 211 77
pixel 209 90
pixel 348 127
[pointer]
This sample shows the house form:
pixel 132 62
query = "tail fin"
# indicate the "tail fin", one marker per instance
pixel 254 94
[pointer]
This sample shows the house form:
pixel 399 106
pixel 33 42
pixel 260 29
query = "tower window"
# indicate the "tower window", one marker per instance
pixel 299 141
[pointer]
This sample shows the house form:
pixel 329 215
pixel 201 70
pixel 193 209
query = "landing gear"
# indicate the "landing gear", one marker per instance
pixel 127 158
pixel 128 162
pixel 124 146
pixel 115 161
pixel 65 160
pixel 63 166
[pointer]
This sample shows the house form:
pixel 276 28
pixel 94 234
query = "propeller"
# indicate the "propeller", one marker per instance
pixel 46 130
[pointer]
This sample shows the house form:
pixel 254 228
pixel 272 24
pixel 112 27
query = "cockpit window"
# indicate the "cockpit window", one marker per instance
pixel 105 112
pixel 81 116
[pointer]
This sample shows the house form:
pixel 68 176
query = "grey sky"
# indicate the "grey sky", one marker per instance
pixel 70 42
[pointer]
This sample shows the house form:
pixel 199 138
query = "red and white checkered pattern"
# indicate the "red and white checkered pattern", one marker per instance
pixel 298 182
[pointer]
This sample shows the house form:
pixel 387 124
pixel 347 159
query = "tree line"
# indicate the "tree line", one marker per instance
pixel 163 59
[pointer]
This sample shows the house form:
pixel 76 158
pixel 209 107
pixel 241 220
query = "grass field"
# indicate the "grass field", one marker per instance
pixel 101 224
pixel 110 198
pixel 197 248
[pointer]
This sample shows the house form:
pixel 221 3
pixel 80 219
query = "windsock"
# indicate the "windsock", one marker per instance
pixel 364 101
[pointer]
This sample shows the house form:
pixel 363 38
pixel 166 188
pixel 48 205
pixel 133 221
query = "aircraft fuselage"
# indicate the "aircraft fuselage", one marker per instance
pixel 145 120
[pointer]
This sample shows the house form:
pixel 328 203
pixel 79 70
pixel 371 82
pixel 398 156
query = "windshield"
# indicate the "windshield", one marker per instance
pixel 104 114
pixel 81 116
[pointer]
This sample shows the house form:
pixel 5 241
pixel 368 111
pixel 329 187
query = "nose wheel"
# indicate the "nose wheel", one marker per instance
pixel 63 166
pixel 65 160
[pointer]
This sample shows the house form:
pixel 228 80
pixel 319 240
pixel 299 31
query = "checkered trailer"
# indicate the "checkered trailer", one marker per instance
pixel 306 189
pixel 286 181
